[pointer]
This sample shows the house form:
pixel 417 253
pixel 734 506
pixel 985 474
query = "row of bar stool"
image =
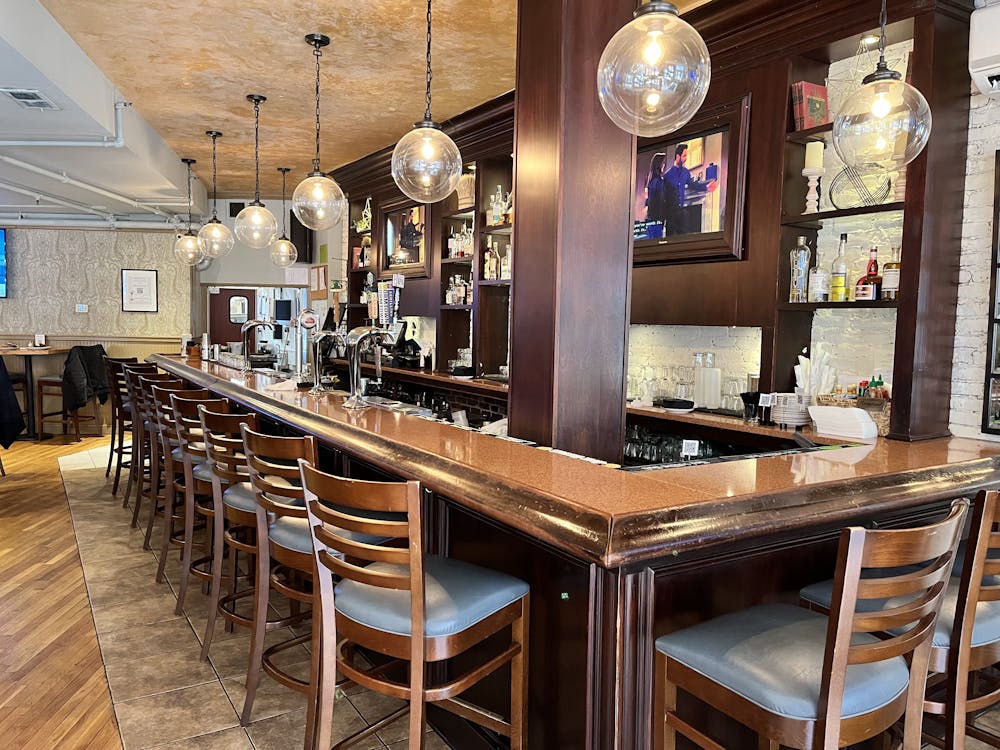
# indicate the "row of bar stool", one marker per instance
pixel 194 459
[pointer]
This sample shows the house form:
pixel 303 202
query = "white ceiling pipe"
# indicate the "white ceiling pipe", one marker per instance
pixel 117 142
pixel 32 207
pixel 60 201
pixel 154 226
pixel 65 179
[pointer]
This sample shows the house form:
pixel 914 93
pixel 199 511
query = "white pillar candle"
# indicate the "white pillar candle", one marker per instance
pixel 814 155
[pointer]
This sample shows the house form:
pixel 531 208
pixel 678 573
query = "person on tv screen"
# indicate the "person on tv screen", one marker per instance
pixel 656 196
pixel 677 181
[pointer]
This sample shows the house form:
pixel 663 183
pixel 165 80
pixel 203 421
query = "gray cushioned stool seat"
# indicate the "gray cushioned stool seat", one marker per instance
pixel 202 470
pixel 240 496
pixel 986 628
pixel 772 655
pixel 178 456
pixel 457 596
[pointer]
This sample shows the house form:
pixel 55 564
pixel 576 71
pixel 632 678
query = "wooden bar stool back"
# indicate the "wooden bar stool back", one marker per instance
pixel 197 483
pixel 803 680
pixel 170 463
pixel 284 550
pixel 234 520
pixel 121 416
pixel 392 599
pixel 151 436
pixel 139 464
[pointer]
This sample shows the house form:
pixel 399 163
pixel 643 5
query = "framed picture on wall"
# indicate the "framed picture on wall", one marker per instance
pixel 690 189
pixel 139 290
pixel 403 248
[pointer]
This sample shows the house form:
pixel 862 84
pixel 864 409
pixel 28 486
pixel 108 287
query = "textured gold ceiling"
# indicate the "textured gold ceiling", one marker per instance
pixel 187 65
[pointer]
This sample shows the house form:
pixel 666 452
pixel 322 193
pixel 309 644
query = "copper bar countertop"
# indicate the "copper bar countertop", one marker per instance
pixel 611 517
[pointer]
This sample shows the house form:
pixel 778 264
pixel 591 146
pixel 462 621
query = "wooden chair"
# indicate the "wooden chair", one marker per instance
pixel 140 448
pixel 197 482
pixel 234 519
pixel 150 452
pixel 803 680
pixel 284 551
pixel 170 458
pixel 52 386
pixel 970 619
pixel 121 417
pixel 414 609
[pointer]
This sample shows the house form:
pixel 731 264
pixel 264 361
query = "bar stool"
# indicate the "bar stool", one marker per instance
pixel 168 462
pixel 121 416
pixel 783 670
pixel 139 449
pixel 197 483
pixel 52 386
pixel 969 619
pixel 395 601
pixel 282 538
pixel 148 444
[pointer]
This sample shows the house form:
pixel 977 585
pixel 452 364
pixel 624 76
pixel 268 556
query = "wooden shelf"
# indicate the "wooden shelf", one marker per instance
pixel 814 221
pixel 466 260
pixel 456 307
pixel 499 229
pixel 365 269
pixel 464 214
pixel 810 134
pixel 807 306
pixel 494 282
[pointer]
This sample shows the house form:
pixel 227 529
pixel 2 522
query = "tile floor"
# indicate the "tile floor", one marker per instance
pixel 164 695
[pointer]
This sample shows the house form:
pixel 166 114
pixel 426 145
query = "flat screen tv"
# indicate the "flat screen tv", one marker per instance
pixel 3 263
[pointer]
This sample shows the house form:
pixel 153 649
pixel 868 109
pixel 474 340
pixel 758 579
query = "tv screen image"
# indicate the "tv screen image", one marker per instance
pixel 3 262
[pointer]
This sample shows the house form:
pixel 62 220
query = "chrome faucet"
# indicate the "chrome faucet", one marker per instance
pixel 358 340
pixel 247 327
pixel 317 338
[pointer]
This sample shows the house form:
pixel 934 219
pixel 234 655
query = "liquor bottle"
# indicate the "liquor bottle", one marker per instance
pixel 869 286
pixel 798 286
pixel 819 283
pixel 890 276
pixel 838 273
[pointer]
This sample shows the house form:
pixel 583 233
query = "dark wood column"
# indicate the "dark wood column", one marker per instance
pixel 572 230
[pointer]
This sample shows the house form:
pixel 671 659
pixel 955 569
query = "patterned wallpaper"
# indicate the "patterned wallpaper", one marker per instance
pixel 50 271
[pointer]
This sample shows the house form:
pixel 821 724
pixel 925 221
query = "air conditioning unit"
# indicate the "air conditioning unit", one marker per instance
pixel 984 49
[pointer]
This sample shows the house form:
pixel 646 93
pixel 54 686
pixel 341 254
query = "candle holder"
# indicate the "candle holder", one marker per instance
pixel 812 195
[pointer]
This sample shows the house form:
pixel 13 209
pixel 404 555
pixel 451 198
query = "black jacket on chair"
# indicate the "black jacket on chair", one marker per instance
pixel 11 421
pixel 84 377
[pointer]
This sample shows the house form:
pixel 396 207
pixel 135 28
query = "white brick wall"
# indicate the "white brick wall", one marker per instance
pixel 969 363
pixel 737 350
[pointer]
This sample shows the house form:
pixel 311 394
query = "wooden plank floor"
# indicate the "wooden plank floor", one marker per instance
pixel 53 688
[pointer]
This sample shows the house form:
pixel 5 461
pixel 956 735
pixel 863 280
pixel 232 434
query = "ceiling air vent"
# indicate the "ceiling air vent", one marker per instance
pixel 30 99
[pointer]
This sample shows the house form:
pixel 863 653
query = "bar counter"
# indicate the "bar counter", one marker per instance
pixel 599 513
pixel 616 558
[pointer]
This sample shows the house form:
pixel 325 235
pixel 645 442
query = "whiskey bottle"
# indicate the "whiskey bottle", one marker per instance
pixel 890 276
pixel 838 273
pixel 799 258
pixel 819 283
pixel 869 286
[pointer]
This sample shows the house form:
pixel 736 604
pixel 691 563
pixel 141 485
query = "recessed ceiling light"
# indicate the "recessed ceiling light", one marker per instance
pixel 869 39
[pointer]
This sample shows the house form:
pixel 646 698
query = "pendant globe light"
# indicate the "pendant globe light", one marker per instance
pixel 654 73
pixel 426 163
pixel 255 225
pixel 318 201
pixel 885 124
pixel 187 249
pixel 215 237
pixel 283 252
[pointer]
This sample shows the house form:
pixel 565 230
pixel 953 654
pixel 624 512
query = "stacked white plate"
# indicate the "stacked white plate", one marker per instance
pixel 791 409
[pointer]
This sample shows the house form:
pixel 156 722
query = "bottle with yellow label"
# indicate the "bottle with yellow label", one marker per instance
pixel 838 273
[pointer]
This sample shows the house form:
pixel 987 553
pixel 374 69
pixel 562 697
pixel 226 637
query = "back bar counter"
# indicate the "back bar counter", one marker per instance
pixel 617 558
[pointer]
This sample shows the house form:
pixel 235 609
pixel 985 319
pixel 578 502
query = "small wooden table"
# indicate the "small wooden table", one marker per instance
pixel 29 353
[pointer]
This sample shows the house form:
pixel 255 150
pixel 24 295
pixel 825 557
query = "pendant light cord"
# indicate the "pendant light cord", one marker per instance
pixel 881 41
pixel 256 151
pixel 190 202
pixel 427 112
pixel 215 192
pixel 318 53
pixel 284 233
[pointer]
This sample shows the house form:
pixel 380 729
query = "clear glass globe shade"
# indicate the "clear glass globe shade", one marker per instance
pixel 256 227
pixel 653 75
pixel 188 250
pixel 884 125
pixel 283 253
pixel 216 239
pixel 319 203
pixel 426 165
